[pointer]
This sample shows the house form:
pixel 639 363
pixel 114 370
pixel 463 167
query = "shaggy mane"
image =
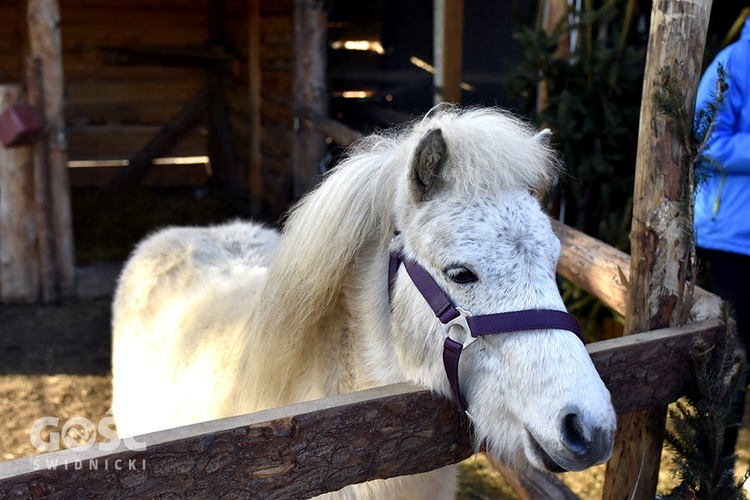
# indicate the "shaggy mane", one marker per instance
pixel 303 296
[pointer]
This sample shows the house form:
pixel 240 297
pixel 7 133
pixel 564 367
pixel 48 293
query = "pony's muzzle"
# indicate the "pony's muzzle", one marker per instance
pixel 585 444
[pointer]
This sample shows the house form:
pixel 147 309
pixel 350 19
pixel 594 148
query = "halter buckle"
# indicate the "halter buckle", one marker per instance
pixel 461 322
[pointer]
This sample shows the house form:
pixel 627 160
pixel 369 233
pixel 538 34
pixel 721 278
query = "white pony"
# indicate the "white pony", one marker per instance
pixel 213 322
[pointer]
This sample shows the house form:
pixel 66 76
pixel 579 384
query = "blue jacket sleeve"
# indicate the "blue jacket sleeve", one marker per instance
pixel 730 142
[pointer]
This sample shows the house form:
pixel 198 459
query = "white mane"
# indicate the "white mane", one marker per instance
pixel 302 297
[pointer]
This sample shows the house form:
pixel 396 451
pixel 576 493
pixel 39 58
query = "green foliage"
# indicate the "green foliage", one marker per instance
pixel 699 423
pixel 593 103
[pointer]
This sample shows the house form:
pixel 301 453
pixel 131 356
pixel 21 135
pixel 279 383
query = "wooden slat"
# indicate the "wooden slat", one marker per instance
pixel 157 176
pixel 116 143
pixel 600 269
pixel 309 448
pixel 652 368
pixel 163 140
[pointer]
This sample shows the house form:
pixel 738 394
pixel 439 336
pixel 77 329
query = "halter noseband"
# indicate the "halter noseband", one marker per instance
pixel 476 326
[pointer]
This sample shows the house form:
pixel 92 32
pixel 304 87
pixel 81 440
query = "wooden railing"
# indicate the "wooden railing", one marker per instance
pixel 311 448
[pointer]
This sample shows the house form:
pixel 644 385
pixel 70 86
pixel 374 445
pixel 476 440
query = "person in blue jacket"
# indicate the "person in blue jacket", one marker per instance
pixel 722 203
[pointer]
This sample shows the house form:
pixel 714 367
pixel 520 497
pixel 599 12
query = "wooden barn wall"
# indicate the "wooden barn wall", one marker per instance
pixel 276 98
pixel 113 110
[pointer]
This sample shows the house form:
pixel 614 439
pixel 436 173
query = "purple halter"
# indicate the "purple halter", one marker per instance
pixel 477 326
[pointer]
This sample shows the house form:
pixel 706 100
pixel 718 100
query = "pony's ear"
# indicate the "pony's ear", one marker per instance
pixel 543 136
pixel 426 166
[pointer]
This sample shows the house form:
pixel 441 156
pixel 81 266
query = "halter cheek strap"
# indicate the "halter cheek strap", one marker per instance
pixel 476 326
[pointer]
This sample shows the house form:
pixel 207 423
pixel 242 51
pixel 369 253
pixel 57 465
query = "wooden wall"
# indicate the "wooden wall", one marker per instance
pixel 113 109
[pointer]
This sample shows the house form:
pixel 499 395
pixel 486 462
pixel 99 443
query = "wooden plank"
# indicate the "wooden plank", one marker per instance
pixel 536 485
pixel 310 448
pixel 132 93
pixel 193 175
pixel 43 18
pixel 118 143
pixel 663 267
pixel 19 258
pixel 139 163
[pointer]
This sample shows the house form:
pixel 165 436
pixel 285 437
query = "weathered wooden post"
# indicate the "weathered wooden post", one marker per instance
pixel 19 262
pixel 310 92
pixel 660 253
pixel 43 18
pixel 448 49
pixel 255 84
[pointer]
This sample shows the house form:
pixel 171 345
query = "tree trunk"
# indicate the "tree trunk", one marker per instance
pixel 658 294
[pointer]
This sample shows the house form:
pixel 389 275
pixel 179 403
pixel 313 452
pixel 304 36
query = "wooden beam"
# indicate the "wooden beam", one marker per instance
pixel 43 18
pixel 255 83
pixel 310 91
pixel 662 263
pixel 448 49
pixel 340 133
pixel 139 163
pixel 604 271
pixel 319 446
pixel 19 258
pixel 296 451
pixel 48 272
pixel 535 484
pixel 221 148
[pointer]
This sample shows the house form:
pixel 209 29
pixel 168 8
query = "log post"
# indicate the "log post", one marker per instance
pixel 448 49
pixel 43 18
pixel 310 91
pixel 657 285
pixel 255 85
pixel 48 272
pixel 19 259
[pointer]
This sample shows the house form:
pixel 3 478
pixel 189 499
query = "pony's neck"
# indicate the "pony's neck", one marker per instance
pixel 299 328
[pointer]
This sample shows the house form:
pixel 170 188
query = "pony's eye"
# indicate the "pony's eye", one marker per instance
pixel 460 275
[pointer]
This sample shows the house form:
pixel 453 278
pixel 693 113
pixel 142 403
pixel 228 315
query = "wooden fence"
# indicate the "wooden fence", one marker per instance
pixel 311 448
pixel 315 447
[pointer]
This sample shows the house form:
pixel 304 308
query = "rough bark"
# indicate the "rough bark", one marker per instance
pixel 661 264
pixel 310 448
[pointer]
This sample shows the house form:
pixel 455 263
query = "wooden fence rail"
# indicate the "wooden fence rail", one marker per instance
pixel 311 448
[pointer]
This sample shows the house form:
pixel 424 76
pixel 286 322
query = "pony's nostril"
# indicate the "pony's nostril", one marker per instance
pixel 574 435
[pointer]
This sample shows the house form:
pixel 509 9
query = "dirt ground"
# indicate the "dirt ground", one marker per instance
pixel 55 362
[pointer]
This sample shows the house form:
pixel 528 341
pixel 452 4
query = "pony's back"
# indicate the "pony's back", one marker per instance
pixel 177 315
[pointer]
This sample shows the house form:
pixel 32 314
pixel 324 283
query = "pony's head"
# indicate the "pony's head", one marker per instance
pixel 464 211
